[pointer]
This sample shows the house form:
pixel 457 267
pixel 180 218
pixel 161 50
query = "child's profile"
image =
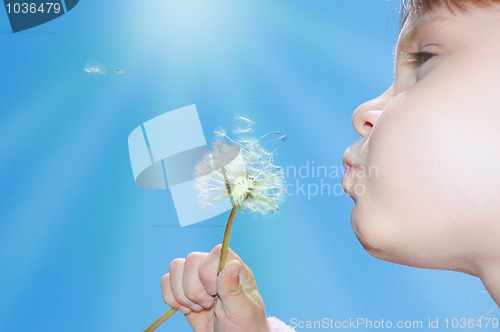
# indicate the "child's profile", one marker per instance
pixel 433 138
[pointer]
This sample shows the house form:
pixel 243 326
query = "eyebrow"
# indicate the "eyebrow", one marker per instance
pixel 417 28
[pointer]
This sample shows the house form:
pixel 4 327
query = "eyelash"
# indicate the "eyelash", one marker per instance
pixel 419 58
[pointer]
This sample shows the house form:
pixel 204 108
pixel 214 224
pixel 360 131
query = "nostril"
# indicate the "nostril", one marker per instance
pixel 367 126
pixel 364 119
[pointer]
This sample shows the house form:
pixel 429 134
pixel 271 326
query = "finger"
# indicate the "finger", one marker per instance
pixel 176 275
pixel 193 287
pixel 166 292
pixel 208 271
pixel 168 296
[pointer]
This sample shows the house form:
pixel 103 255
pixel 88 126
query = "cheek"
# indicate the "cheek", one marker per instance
pixel 437 158
pixel 416 162
pixel 428 187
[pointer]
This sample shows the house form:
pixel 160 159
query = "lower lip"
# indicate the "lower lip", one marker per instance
pixel 347 172
pixel 346 178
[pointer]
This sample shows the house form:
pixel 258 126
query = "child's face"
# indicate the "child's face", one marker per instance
pixel 425 173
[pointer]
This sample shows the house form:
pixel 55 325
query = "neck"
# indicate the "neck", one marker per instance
pixel 490 276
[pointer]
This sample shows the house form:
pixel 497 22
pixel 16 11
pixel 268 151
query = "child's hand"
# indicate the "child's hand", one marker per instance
pixel 229 302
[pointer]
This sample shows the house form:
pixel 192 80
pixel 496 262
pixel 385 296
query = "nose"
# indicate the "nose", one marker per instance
pixel 367 114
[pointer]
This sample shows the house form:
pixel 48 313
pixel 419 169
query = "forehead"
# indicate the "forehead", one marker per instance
pixel 416 14
pixel 420 7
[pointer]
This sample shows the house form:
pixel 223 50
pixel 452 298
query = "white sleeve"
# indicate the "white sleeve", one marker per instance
pixel 275 325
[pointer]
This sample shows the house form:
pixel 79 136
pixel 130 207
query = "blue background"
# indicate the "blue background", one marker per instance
pixel 82 248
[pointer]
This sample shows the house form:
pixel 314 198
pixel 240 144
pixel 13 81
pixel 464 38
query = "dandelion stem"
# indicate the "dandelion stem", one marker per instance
pixel 227 236
pixel 222 263
pixel 161 320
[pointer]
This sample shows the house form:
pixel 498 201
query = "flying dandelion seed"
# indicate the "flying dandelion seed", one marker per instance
pixel 94 68
pixel 281 138
pixel 245 172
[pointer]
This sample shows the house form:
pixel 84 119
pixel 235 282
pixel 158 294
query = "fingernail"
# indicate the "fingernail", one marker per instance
pixel 207 304
pixel 185 310
pixel 196 307
pixel 236 271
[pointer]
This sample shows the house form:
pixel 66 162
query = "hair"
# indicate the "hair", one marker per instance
pixel 420 7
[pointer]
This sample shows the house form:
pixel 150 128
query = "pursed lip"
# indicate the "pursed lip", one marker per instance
pixel 348 178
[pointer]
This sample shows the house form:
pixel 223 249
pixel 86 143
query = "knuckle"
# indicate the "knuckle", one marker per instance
pixel 217 249
pixel 176 263
pixel 194 257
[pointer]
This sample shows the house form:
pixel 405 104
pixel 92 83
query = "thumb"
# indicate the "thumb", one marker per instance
pixel 235 286
pixel 229 286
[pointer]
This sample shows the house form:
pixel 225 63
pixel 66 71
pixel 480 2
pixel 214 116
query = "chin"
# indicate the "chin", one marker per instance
pixel 373 240
pixel 385 241
pixel 399 251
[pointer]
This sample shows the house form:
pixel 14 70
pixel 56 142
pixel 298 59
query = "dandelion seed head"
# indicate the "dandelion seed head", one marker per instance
pixel 241 169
